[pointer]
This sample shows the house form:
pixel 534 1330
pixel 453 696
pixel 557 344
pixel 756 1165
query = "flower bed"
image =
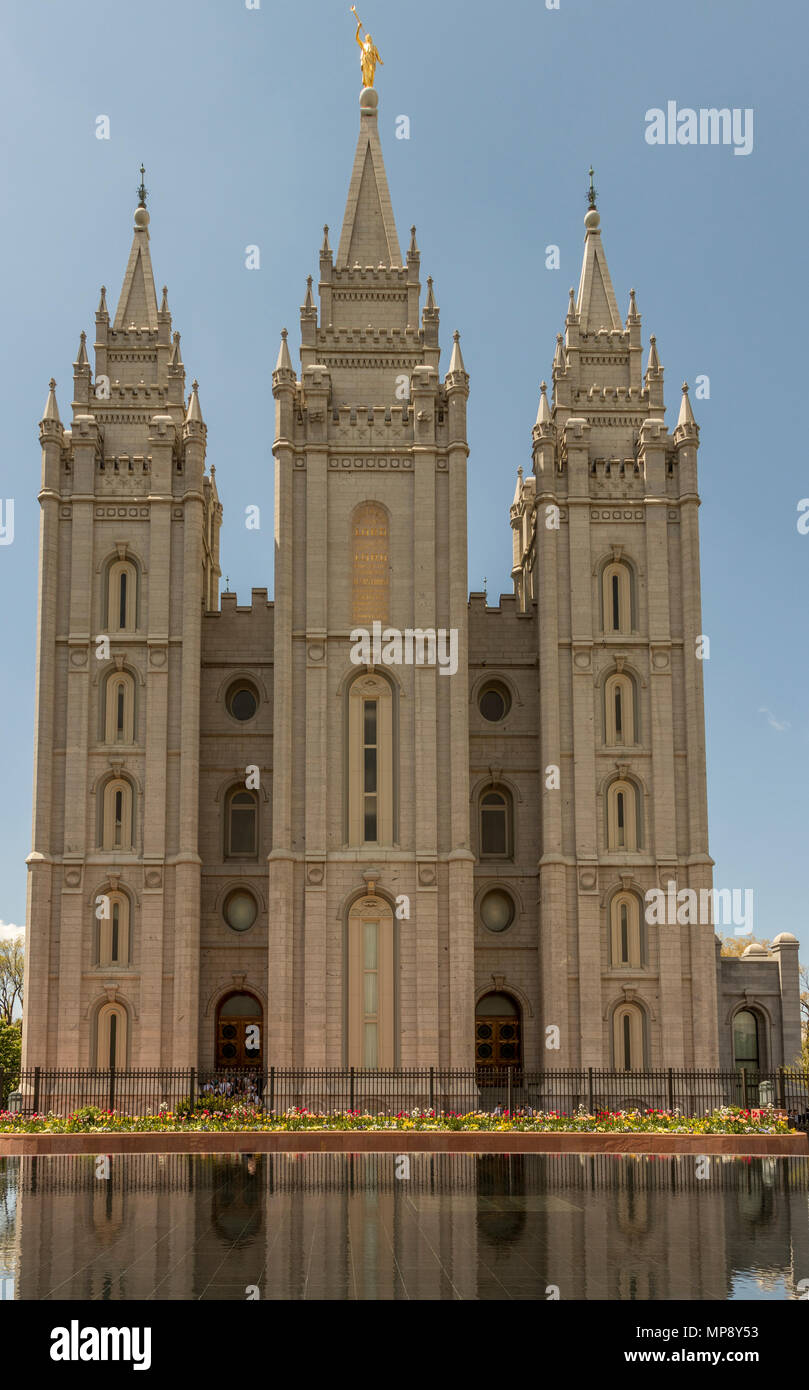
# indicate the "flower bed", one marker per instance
pixel 90 1120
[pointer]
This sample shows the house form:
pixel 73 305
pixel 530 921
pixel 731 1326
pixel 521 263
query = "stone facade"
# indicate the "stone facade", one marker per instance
pixel 239 825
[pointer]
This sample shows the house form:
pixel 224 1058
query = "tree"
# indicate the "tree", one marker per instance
pixel 12 964
pixel 803 1059
pixel 10 1053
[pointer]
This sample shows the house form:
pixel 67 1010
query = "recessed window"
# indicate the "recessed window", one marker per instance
pixel 496 910
pixel 494 702
pixel 495 824
pixel 241 824
pixel 242 701
pixel 240 910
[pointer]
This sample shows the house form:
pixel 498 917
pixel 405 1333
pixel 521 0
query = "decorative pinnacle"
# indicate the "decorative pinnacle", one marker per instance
pixel 591 192
pixel 142 190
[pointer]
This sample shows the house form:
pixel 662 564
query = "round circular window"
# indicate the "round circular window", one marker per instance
pixel 240 910
pixel 496 910
pixel 242 700
pixel 494 702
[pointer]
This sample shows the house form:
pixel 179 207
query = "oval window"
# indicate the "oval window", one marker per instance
pixel 494 702
pixel 240 910
pixel 242 701
pixel 496 910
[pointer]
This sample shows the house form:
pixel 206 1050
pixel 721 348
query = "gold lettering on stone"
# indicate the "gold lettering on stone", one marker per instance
pixel 370 561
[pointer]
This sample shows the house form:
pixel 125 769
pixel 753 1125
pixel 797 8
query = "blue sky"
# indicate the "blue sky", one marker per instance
pixel 246 121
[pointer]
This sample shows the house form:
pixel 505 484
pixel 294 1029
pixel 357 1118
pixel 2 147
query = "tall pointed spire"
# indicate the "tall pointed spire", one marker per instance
pixel 653 365
pixel 137 304
pixel 686 416
pixel 194 412
pixel 82 359
pixel 284 363
pixel 456 362
pixel 596 304
pixel 544 412
pixel 51 411
pixel 369 233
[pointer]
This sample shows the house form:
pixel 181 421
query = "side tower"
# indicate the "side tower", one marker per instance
pixel 128 555
pixel 606 542
pixel 370 874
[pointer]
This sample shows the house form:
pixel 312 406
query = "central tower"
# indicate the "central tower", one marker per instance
pixel 370 873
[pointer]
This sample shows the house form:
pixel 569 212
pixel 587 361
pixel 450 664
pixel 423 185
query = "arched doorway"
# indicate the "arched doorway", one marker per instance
pixel 498 1032
pixel 239 1031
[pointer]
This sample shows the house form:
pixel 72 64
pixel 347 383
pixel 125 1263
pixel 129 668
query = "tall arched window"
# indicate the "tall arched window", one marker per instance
pixel 111 1036
pixel 119 708
pixel 495 824
pixel 371 975
pixel 117 831
pixel 746 1053
pixel 623 816
pixel 122 596
pixel 241 824
pixel 371 761
pixel 626 931
pixel 628 1038
pixel 620 713
pixel 616 597
pixel 113 930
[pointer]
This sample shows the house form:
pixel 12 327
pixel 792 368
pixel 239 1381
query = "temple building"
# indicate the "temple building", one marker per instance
pixel 249 846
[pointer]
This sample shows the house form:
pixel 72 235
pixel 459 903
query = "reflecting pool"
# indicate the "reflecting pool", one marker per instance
pixel 418 1226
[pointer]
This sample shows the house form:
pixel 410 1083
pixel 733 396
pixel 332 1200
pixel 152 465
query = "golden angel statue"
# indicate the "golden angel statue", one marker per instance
pixel 369 53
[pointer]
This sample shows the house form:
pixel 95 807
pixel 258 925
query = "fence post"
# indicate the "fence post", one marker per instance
pixel 272 1090
pixel 432 1088
pixel 37 1074
pixel 781 1093
pixel 111 1105
pixel 590 1090
pixel 192 1087
pixel 671 1088
pixel 351 1091
pixel 744 1088
pixel 510 1093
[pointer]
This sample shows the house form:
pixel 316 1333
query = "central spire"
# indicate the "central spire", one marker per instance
pixel 596 304
pixel 369 235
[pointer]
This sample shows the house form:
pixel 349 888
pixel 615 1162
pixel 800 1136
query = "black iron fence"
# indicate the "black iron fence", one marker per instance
pixel 143 1091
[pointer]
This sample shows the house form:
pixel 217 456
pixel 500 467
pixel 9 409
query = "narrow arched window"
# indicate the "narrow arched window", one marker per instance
pixel 628 1039
pixel 626 931
pixel 111 1036
pixel 616 598
pixel 371 761
pixel 119 708
pixel 117 815
pixel 620 714
pixel 122 596
pixel 495 824
pixel 113 930
pixel 241 824
pixel 623 816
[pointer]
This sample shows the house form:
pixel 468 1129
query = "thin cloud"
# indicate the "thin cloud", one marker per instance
pixel 9 929
pixel 780 724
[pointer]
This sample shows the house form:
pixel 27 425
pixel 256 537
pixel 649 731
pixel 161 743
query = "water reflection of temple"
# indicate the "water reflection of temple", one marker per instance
pixel 344 1226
